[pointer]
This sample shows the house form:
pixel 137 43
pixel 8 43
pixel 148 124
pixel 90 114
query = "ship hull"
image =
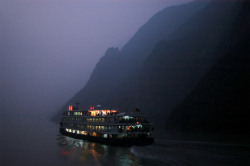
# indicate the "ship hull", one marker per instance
pixel 127 141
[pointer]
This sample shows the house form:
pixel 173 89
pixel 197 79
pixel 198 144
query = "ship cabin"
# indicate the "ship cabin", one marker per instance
pixel 105 123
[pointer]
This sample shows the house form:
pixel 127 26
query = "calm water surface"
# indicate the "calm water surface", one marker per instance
pixel 38 142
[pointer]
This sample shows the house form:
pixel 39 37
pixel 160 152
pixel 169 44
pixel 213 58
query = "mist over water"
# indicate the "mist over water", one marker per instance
pixel 48 50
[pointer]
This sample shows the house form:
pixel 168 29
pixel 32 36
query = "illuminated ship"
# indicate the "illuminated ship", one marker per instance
pixel 107 126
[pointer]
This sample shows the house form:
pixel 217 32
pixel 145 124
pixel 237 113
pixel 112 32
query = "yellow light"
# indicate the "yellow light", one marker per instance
pixel 101 112
pixel 84 132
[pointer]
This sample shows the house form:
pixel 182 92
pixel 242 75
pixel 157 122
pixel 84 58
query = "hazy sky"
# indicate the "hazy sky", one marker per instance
pixel 48 48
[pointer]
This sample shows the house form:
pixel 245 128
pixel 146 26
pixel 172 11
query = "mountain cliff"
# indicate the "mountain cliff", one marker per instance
pixel 165 61
pixel 220 101
pixel 115 67
pixel 175 66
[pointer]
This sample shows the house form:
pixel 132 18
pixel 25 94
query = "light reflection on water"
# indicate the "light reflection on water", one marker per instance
pixel 80 152
pixel 162 152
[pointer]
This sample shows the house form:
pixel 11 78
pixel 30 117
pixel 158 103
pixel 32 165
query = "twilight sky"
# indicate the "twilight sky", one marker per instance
pixel 48 48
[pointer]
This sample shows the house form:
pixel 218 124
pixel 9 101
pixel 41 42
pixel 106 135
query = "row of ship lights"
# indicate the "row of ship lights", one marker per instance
pixel 71 107
pixel 91 107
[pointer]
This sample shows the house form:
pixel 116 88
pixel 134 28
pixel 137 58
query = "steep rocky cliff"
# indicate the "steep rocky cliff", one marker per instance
pixel 220 101
pixel 166 60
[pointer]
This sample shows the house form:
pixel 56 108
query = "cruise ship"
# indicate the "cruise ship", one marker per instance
pixel 107 126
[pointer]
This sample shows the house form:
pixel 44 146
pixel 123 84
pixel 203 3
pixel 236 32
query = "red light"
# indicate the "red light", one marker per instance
pixel 70 107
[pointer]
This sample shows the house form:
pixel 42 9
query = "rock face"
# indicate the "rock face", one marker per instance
pixel 220 101
pixel 163 65
pixel 174 67
pixel 110 80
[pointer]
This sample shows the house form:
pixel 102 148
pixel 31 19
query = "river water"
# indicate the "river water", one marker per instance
pixel 38 143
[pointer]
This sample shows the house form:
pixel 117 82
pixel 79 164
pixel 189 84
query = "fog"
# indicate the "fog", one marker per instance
pixel 48 48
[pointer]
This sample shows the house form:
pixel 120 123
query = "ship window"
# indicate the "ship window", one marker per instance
pixel 105 136
pixel 84 132
pixel 121 135
pixel 139 126
pixel 126 117
pixel 77 131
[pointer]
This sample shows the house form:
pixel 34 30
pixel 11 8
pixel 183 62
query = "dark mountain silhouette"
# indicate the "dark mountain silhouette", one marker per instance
pixel 175 66
pixel 106 84
pixel 165 62
pixel 220 101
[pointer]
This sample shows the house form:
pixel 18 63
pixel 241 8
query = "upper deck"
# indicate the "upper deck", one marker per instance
pixel 92 112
